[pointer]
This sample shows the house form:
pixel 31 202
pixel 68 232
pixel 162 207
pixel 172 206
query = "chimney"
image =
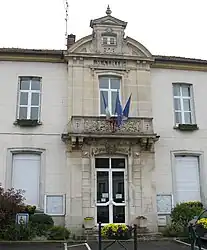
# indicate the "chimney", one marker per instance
pixel 70 40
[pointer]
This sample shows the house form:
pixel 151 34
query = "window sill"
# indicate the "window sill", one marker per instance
pixel 27 123
pixel 186 127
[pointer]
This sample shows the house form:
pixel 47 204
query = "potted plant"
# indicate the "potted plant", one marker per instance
pixel 201 227
pixel 117 231
pixel 88 222
pixel 141 221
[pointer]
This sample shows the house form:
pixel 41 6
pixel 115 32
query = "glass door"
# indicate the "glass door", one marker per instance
pixel 110 190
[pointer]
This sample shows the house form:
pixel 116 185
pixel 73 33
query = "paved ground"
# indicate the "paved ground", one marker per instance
pixel 155 245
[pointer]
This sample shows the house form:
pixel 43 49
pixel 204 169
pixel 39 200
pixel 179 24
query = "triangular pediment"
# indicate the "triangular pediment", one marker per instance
pixel 108 20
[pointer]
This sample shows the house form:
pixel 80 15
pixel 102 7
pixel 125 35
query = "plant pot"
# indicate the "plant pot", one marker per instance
pixel 200 230
pixel 124 236
pixel 141 222
pixel 88 222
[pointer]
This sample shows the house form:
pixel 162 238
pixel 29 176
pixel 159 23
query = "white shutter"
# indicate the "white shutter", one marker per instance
pixel 26 175
pixel 187 181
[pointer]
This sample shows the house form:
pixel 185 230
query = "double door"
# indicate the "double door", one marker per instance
pixel 111 195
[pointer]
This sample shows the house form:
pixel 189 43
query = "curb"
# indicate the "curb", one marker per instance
pixel 83 241
pixel 32 241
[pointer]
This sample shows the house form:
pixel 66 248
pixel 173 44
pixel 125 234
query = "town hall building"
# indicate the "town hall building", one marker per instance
pixel 72 161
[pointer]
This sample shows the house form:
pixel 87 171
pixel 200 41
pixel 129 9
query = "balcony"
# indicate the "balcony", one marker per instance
pixel 82 127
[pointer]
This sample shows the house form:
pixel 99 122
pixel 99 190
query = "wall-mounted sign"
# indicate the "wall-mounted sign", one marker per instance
pixel 54 205
pixel 164 203
pixel 162 220
pixel 22 218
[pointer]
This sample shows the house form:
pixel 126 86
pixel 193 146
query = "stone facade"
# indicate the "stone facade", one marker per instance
pixel 72 133
pixel 43 139
pixel 90 136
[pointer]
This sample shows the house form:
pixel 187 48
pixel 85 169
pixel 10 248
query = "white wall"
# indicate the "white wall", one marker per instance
pixel 53 116
pixel 171 139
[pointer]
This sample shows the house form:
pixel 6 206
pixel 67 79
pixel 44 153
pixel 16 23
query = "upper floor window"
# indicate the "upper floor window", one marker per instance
pixel 108 85
pixel 108 40
pixel 183 103
pixel 29 96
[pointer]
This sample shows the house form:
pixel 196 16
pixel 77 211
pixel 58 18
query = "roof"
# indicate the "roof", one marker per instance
pixel 31 51
pixel 160 58
pixel 60 54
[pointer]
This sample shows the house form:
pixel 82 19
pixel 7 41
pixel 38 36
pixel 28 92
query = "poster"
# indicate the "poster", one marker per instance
pixel 118 196
pixel 164 203
pixel 105 195
pixel 55 204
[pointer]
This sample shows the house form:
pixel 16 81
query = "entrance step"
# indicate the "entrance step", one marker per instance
pixel 93 235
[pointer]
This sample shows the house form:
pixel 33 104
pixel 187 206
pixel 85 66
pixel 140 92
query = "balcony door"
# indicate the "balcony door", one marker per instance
pixel 111 195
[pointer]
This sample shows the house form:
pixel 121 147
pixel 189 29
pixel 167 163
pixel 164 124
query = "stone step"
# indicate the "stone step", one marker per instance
pixel 142 236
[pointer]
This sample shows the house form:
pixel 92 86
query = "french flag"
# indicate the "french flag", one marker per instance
pixel 108 115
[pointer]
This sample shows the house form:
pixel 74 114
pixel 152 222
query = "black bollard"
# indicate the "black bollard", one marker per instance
pixel 135 237
pixel 99 236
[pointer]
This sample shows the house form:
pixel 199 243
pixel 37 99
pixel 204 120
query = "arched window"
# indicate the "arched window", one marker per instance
pixel 108 86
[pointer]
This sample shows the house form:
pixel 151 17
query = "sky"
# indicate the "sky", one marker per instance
pixel 164 27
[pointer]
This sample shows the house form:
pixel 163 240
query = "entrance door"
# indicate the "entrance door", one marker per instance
pixel 111 190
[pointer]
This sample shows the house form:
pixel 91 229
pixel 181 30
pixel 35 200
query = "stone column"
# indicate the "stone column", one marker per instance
pixel 131 192
pixel 148 190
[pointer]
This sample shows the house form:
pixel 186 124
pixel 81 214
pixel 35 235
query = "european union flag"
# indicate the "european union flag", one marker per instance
pixel 118 110
pixel 126 109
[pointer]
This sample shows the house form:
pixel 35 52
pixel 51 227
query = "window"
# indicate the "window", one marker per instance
pixel 108 40
pixel 29 98
pixel 108 87
pixel 183 107
pixel 187 178
pixel 26 176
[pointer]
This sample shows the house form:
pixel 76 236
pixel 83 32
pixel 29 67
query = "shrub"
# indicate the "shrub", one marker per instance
pixel 30 209
pixel 41 222
pixel 58 233
pixel 42 219
pixel 11 203
pixel 184 212
pixel 175 230
pixel 18 232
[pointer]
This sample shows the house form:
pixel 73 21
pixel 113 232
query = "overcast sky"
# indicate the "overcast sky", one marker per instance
pixel 165 27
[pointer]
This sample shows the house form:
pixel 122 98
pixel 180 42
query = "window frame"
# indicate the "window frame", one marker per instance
pixel 30 91
pixel 182 98
pixel 9 169
pixel 108 39
pixel 110 170
pixel 109 92
pixel 201 170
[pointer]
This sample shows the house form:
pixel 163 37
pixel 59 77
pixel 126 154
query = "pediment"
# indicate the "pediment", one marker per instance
pixel 131 48
pixel 134 48
pixel 84 45
pixel 108 20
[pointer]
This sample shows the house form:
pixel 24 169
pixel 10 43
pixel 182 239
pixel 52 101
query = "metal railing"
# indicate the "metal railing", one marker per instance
pixel 195 239
pixel 134 229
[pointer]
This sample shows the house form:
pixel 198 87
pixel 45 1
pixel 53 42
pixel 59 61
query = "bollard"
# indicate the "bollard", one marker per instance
pixel 99 236
pixel 135 237
pixel 65 246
